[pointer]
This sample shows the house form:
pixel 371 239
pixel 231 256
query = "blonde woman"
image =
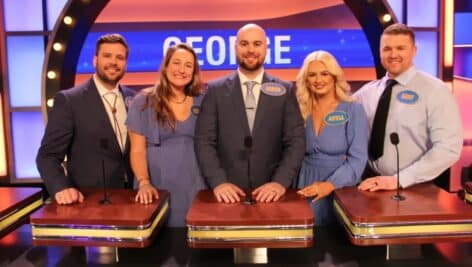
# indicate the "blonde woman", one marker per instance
pixel 336 133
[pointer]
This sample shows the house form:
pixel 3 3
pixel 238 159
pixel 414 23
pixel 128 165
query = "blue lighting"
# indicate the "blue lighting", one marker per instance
pixel 215 48
pixel 27 129
pixel 24 15
pixel 25 56
pixel 54 8
pixel 427 54
pixel 423 13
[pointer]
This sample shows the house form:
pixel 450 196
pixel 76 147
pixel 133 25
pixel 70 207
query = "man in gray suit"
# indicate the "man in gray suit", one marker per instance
pixel 250 119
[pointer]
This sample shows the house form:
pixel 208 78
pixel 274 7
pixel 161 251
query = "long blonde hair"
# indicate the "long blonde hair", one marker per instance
pixel 306 98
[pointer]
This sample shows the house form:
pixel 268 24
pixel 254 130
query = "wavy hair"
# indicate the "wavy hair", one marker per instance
pixel 306 99
pixel 159 96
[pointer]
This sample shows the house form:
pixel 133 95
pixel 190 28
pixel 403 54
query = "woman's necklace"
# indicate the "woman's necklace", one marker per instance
pixel 179 102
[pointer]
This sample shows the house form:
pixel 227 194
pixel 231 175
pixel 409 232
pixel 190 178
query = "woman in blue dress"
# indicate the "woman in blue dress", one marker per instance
pixel 336 133
pixel 161 123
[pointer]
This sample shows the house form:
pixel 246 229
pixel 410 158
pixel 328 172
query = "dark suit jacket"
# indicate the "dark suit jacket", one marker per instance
pixel 278 135
pixel 76 125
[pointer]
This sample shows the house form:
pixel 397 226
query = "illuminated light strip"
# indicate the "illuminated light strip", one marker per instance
pixel 373 231
pixel 3 161
pixel 448 32
pixel 13 217
pixel 468 197
pixel 98 234
pixel 252 235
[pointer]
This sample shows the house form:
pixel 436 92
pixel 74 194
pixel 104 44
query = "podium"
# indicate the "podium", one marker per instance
pixel 122 223
pixel 17 203
pixel 468 192
pixel 287 223
pixel 427 215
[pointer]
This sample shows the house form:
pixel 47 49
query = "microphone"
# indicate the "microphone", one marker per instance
pixel 395 140
pixel 248 145
pixel 103 142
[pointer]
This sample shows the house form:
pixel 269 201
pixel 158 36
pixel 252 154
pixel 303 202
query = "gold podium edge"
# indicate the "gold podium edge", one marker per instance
pixel 252 235
pixel 62 232
pixel 372 231
pixel 468 197
pixel 11 218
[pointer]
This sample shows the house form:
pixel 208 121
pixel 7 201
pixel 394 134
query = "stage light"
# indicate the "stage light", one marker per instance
pixel 386 18
pixel 51 74
pixel 50 102
pixel 448 33
pixel 57 46
pixel 68 20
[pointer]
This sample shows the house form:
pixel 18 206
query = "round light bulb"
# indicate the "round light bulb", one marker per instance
pixel 57 46
pixel 386 18
pixel 51 74
pixel 68 20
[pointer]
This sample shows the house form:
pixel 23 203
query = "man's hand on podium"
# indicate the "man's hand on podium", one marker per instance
pixel 228 193
pixel 146 193
pixel 378 183
pixel 69 196
pixel 317 190
pixel 269 192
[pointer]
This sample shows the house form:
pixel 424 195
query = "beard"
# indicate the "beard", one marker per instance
pixel 107 79
pixel 242 64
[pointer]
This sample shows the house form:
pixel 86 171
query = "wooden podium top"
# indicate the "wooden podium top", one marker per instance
pixel 428 214
pixel 290 209
pixel 122 223
pixel 122 211
pixel 16 204
pixel 287 223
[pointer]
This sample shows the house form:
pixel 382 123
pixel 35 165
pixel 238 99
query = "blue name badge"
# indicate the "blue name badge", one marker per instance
pixel 273 89
pixel 407 97
pixel 336 118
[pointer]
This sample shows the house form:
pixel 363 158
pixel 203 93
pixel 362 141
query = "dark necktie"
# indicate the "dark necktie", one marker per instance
pixel 377 136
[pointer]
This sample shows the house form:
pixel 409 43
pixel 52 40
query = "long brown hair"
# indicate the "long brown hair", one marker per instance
pixel 160 94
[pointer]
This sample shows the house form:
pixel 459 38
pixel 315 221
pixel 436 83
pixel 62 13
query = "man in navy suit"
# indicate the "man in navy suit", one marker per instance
pixel 250 118
pixel 86 125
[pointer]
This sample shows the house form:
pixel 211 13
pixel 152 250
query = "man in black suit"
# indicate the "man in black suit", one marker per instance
pixel 250 110
pixel 86 125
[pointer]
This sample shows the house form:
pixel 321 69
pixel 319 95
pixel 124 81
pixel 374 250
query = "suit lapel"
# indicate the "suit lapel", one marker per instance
pixel 234 92
pixel 95 103
pixel 262 105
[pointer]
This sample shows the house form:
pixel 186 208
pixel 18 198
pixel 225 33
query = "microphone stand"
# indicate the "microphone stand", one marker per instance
pixel 104 146
pixel 395 140
pixel 248 145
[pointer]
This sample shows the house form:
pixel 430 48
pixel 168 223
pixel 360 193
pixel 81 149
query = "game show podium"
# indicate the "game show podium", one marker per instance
pixel 15 206
pixel 250 229
pixel 100 228
pixel 427 215
pixel 468 192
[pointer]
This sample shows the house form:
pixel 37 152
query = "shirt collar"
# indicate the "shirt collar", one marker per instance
pixel 243 78
pixel 404 78
pixel 102 90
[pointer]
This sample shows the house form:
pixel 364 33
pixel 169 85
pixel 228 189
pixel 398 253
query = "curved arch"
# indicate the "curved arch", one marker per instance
pixel 84 13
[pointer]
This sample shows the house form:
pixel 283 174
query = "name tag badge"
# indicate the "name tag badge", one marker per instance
pixel 407 97
pixel 195 110
pixel 336 118
pixel 273 89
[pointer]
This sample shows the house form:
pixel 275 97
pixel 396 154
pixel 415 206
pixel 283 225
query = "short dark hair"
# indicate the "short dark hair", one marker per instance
pixel 112 38
pixel 400 28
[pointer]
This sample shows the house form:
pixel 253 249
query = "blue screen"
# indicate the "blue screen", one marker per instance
pixel 215 48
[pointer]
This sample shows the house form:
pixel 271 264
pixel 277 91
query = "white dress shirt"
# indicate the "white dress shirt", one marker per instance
pixel 122 131
pixel 425 115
